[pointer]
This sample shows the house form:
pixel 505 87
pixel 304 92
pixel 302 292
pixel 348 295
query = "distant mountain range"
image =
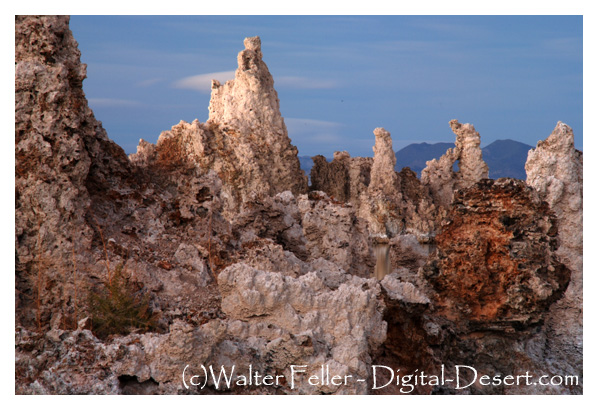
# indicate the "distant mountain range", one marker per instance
pixel 415 156
pixel 505 158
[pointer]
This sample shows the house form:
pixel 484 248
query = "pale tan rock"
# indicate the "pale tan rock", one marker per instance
pixel 382 175
pixel 274 321
pixel 348 318
pixel 438 174
pixel 333 232
pixel 554 168
pixel 249 102
pixel 63 158
pixel 403 291
pixel 245 140
pixel 472 167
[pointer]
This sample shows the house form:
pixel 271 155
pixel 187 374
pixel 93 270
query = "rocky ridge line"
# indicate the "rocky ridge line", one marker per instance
pixel 243 266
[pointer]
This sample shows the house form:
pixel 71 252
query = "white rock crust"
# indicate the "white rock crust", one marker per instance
pixel 245 139
pixel 438 174
pixel 249 102
pixel 274 321
pixel 554 169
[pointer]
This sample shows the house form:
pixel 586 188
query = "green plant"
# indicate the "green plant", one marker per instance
pixel 120 306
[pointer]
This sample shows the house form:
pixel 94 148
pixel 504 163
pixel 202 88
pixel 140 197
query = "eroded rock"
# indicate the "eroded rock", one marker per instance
pixel 439 175
pixel 244 140
pixel 554 169
pixel 495 263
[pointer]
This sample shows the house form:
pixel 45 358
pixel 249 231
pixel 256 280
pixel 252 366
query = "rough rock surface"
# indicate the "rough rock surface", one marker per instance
pixel 382 175
pixel 244 140
pixel 344 178
pixel 495 261
pixel 242 267
pixel 333 232
pixel 380 205
pixel 554 170
pixel 274 321
pixel 495 274
pixel 62 156
pixel 438 174
pixel 391 203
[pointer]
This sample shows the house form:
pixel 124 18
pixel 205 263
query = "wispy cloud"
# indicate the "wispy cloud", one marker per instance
pixel 304 82
pixel 113 102
pixel 203 82
pixel 311 131
pixel 564 46
pixel 308 122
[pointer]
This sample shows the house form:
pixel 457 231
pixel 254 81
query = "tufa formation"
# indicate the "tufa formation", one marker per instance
pixel 229 258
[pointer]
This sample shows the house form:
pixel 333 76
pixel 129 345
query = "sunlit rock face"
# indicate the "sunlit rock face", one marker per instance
pixel 245 139
pixel 63 157
pixel 382 175
pixel 554 170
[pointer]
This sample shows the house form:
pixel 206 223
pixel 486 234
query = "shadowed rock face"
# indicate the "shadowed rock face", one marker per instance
pixel 344 178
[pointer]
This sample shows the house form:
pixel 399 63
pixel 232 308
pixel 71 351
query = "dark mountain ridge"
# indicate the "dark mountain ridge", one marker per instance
pixel 505 158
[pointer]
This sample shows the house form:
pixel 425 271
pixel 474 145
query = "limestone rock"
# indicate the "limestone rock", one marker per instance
pixel 554 169
pixel 348 320
pixel 274 322
pixel 388 202
pixel 495 262
pixel 332 178
pixel 438 173
pixel 403 291
pixel 333 232
pixel 420 215
pixel 242 267
pixel 245 139
pixel 344 179
pixel 249 101
pixel 472 167
pixel 382 175
pixel 406 251
pixel 63 157
pixel 277 218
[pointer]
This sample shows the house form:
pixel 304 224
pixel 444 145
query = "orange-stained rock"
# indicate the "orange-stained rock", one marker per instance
pixel 495 262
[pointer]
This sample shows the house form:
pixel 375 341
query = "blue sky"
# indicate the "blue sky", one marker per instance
pixel 339 77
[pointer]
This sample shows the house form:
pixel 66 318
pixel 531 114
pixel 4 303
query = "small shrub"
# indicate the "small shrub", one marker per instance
pixel 120 307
